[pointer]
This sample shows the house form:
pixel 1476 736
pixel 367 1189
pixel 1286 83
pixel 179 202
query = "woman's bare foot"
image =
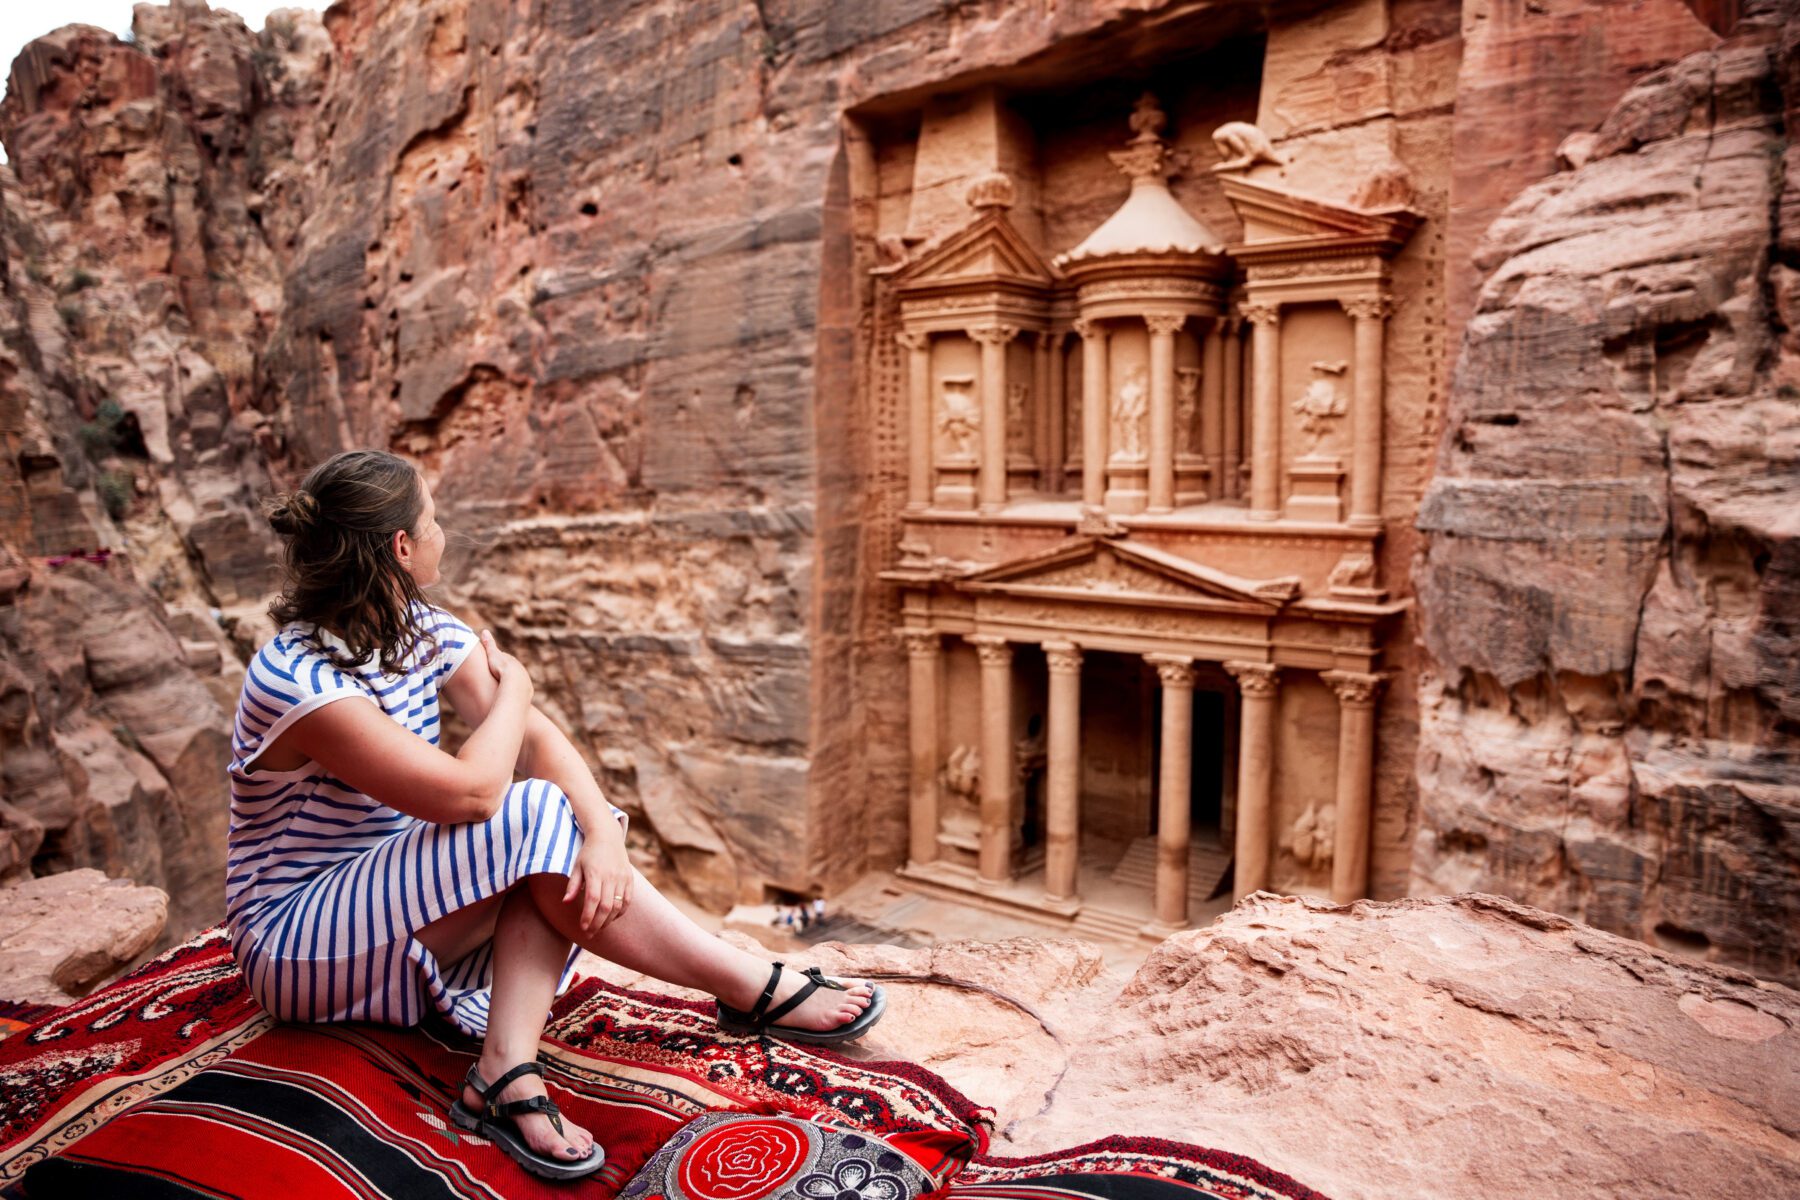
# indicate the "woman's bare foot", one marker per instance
pixel 572 1145
pixel 827 1008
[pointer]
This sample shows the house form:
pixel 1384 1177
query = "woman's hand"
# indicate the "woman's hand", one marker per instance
pixel 505 668
pixel 602 877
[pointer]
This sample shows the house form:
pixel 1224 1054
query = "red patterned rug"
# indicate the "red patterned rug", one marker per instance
pixel 171 1084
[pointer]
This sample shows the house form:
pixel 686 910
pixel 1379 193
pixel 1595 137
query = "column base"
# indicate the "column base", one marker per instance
pixel 1127 489
pixel 1264 514
pixel 1066 906
pixel 1315 482
pixel 1363 521
pixel 1162 929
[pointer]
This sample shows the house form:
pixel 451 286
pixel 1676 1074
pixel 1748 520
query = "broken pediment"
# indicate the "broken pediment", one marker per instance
pixel 1106 569
pixel 1279 217
pixel 987 251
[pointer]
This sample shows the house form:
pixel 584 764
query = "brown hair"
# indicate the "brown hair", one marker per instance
pixel 337 531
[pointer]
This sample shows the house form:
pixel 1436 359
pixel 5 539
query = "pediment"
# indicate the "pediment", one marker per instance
pixel 987 250
pixel 1113 569
pixel 1277 214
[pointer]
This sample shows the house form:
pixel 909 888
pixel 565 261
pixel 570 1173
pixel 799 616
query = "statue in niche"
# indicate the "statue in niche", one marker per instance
pixel 1322 403
pixel 1018 433
pixel 961 773
pixel 1187 402
pixel 1244 145
pixel 959 417
pixel 1130 408
pixel 1309 841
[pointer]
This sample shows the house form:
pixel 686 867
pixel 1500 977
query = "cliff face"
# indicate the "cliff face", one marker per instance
pixel 1608 587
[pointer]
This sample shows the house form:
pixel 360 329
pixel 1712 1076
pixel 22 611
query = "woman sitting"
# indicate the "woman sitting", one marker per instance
pixel 373 876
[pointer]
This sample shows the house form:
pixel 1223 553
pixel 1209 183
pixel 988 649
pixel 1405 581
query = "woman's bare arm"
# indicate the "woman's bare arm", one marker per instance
pixel 378 756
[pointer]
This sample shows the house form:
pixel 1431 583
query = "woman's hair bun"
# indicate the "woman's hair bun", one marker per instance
pixel 293 513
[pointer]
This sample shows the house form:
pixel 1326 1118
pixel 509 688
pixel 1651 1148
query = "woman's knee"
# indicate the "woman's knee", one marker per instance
pixel 533 801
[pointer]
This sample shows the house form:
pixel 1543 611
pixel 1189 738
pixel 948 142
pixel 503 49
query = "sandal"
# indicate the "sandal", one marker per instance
pixel 486 1123
pixel 761 1019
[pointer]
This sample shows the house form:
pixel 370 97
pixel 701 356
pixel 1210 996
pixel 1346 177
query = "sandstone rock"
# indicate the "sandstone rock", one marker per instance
pixel 1466 1048
pixel 1605 588
pixel 66 934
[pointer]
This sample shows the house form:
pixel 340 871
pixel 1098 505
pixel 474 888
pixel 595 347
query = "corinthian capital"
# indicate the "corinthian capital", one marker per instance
pixel 996 335
pixel 920 643
pixel 1087 327
pixel 993 650
pixel 1063 657
pixel 1260 312
pixel 1369 308
pixel 1165 323
pixel 913 339
pixel 1355 689
pixel 1175 670
pixel 1254 678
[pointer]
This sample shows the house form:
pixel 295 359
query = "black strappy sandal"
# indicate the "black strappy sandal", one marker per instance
pixel 761 1019
pixel 487 1124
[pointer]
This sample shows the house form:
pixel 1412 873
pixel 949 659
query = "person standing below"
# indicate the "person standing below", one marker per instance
pixel 373 876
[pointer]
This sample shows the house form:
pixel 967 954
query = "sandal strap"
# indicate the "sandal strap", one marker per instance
pixel 825 981
pixel 757 1017
pixel 531 1104
pixel 483 1090
pixel 812 984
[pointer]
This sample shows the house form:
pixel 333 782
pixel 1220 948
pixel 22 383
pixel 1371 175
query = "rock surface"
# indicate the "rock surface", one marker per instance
pixel 1608 588
pixel 1464 1048
pixel 64 935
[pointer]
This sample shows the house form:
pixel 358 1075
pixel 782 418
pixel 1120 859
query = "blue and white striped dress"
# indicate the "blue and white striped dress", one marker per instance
pixel 325 886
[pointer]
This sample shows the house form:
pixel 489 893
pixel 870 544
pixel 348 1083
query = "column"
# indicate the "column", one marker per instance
pixel 1162 408
pixel 1062 817
pixel 1265 453
pixel 996 756
pixel 918 417
pixel 924 662
pixel 1368 317
pixel 1174 776
pixel 1094 412
pixel 1212 410
pixel 1059 416
pixel 1040 408
pixel 1356 692
pixel 1233 424
pixel 1258 686
pixel 991 480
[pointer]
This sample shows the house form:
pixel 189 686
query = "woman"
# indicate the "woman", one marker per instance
pixel 373 876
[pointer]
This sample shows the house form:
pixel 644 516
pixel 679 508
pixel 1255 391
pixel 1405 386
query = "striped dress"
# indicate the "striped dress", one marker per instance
pixel 325 886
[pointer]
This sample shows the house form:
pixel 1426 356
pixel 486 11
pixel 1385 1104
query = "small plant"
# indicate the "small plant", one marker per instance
pixel 80 279
pixel 70 312
pixel 1789 391
pixel 108 433
pixel 116 489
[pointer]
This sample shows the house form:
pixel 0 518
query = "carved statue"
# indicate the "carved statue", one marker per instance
pixel 1356 571
pixel 961 773
pixel 1129 410
pixel 1018 433
pixel 1309 841
pixel 959 416
pixel 1187 401
pixel 1322 401
pixel 1245 145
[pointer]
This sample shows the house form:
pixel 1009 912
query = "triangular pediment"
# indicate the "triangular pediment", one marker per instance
pixel 987 250
pixel 1114 569
pixel 1276 214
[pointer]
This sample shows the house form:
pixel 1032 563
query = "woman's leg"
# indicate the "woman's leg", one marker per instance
pixel 654 937
pixel 528 960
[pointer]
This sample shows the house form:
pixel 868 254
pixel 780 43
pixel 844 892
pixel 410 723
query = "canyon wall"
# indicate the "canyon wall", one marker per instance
pixel 1608 587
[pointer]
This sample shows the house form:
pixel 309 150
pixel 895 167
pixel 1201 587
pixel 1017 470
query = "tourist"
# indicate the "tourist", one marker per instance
pixel 374 876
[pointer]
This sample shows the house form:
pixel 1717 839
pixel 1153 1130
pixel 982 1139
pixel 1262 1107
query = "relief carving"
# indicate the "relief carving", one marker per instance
pixel 1018 432
pixel 1244 145
pixel 1130 408
pixel 1310 838
pixel 1322 403
pixel 959 418
pixel 1187 405
pixel 961 773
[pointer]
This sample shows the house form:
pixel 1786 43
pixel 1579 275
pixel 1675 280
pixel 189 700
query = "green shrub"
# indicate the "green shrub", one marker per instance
pixel 116 489
pixel 79 280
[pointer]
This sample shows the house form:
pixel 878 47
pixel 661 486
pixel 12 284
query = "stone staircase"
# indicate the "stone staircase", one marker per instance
pixel 1096 924
pixel 1207 865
